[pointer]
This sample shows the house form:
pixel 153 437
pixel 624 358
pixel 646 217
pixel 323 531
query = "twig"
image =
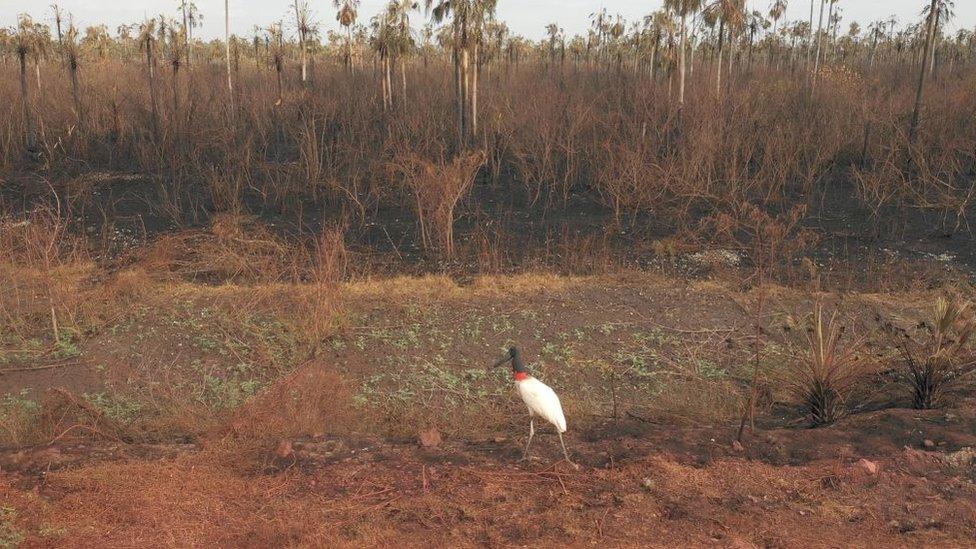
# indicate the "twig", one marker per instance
pixel 37 368
pixel 80 426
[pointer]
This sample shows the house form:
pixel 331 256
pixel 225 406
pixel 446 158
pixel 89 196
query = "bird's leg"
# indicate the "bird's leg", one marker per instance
pixel 525 455
pixel 565 453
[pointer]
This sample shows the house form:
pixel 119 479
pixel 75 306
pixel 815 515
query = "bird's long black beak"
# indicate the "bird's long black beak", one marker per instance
pixel 505 359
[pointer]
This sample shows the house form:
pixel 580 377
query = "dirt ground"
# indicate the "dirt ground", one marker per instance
pixel 639 485
pixel 664 472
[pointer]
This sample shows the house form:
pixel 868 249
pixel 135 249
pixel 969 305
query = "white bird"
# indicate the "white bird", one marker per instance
pixel 539 398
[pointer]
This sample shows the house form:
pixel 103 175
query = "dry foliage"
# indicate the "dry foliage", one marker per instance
pixel 936 352
pixel 825 367
pixel 437 188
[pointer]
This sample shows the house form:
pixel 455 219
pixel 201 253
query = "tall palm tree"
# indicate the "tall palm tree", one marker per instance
pixel 729 14
pixel 147 42
pixel 58 19
pixel 468 19
pixel 943 13
pixel 816 62
pixel 230 79
pixel 933 14
pixel 305 27
pixel 69 45
pixel 24 42
pixel 682 8
pixel 391 40
pixel 346 16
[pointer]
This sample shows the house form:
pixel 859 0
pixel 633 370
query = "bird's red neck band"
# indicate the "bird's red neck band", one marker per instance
pixel 521 376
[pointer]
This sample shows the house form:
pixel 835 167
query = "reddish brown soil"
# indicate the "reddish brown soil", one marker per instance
pixel 639 484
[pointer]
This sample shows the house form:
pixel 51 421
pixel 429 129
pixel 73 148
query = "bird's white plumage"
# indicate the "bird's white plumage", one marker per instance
pixel 542 401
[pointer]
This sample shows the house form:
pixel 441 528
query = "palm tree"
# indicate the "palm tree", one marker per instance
pixel 69 45
pixel 24 42
pixel 276 46
pixel 933 14
pixel 943 13
pixel 553 32
pixel 468 19
pixel 305 26
pixel 683 8
pixel 346 16
pixel 58 18
pixel 147 41
pixel 391 40
pixel 191 20
pixel 816 62
pixel 729 14
pixel 660 24
pixel 175 57
pixel 230 79
pixel 776 12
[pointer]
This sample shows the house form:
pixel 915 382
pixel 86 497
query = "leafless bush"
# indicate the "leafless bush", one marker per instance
pixel 437 188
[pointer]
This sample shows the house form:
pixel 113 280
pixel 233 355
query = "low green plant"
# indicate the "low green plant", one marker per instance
pixel 10 535
pixel 117 407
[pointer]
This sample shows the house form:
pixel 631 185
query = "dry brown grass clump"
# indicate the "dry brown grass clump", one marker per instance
pixel 44 278
pixel 312 400
pixel 235 248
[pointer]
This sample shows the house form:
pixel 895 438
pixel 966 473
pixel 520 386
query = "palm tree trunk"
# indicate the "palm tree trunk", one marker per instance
pixel 465 86
pixel 30 139
pixel 176 91
pixel 403 79
pixel 230 79
pixel 935 34
pixel 186 34
pixel 459 93
pixel 929 38
pixel 75 91
pixel 816 62
pixel 301 44
pixel 151 73
pixel 681 64
pixel 389 82
pixel 474 90
pixel 718 66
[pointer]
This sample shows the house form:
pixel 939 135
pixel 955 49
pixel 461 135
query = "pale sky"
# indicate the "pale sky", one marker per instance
pixel 525 17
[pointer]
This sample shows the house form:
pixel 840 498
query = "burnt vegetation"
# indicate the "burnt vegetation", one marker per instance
pixel 296 242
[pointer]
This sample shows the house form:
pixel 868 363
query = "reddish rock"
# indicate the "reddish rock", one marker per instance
pixel 430 438
pixel 284 449
pixel 867 466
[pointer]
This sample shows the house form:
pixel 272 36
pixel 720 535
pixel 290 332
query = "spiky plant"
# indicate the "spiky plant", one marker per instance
pixel 823 367
pixel 936 352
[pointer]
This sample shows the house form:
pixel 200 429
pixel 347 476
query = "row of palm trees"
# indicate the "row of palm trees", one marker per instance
pixel 668 41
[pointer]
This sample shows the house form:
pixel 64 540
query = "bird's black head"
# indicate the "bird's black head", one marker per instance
pixel 515 357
